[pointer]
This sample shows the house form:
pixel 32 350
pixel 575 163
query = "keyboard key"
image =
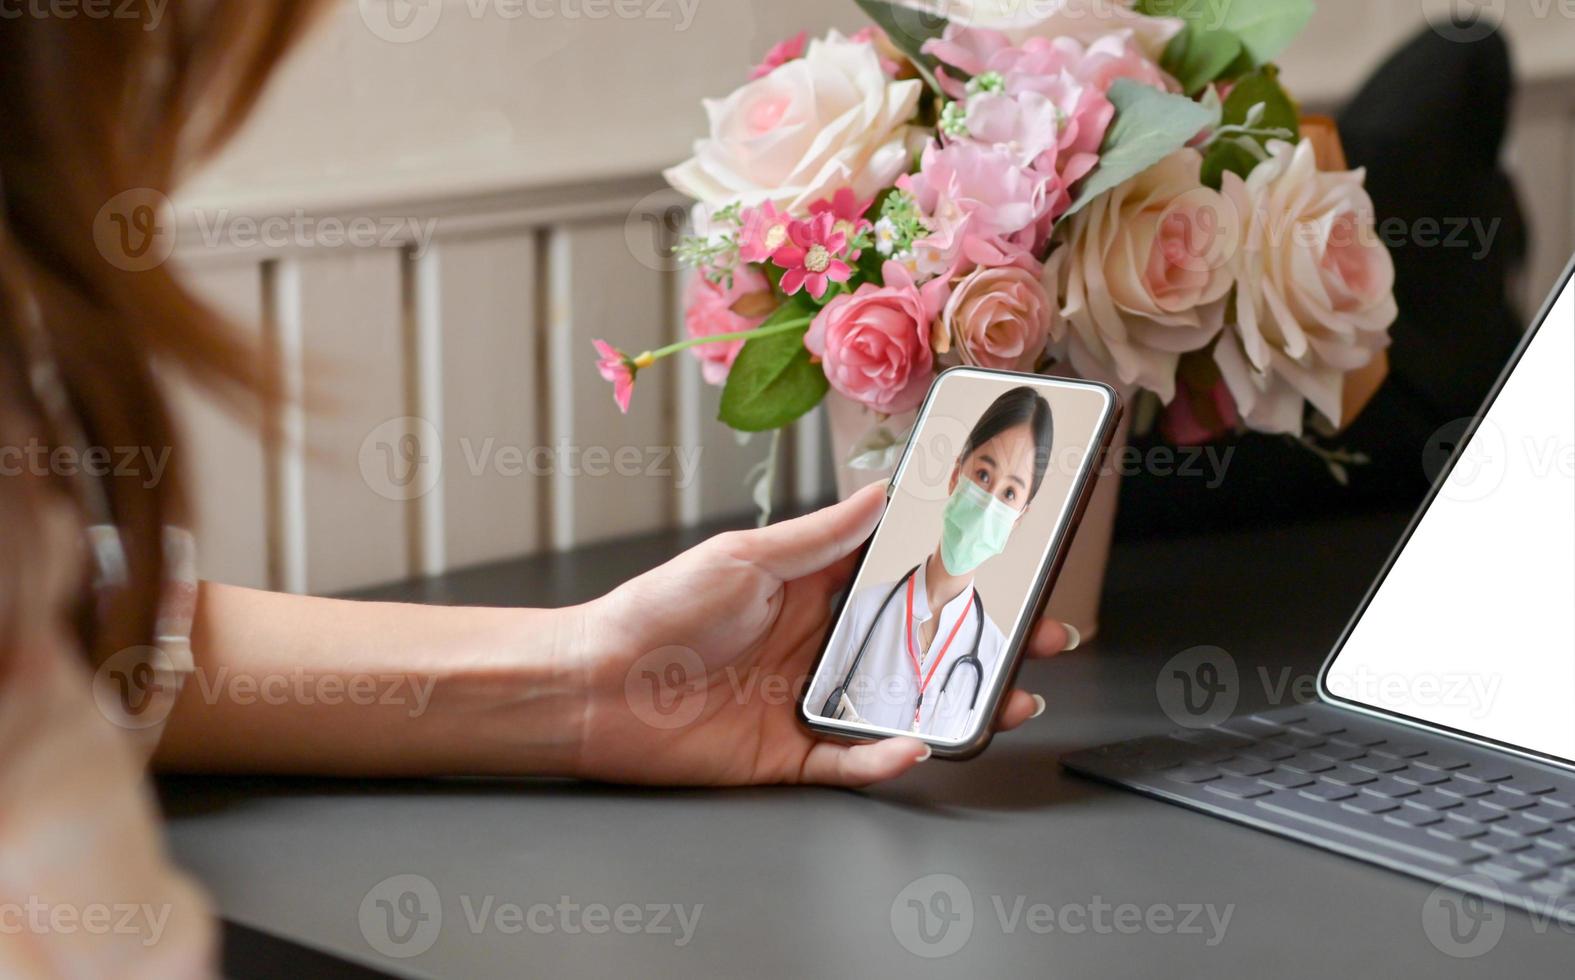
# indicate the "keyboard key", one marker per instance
pixel 1423 777
pixel 1277 718
pixel 1501 845
pixel 1532 859
pixel 1564 797
pixel 1502 872
pixel 1391 788
pixel 1400 750
pixel 1194 774
pixel 1422 845
pixel 1430 800
pixel 1370 804
pixel 1237 788
pixel 1550 815
pixel 1285 779
pixel 1458 830
pixel 1303 741
pixel 1508 802
pixel 1317 726
pixel 1520 827
pixel 1307 762
pixel 1341 753
pixel 1488 773
pixel 1246 767
pixel 1382 764
pixel 1269 751
pixel 1210 737
pixel 1411 817
pixel 1464 790
pixel 1551 888
pixel 1441 763
pixel 1350 777
pixel 1528 786
pixel 1252 728
pixel 1327 792
pixel 1474 812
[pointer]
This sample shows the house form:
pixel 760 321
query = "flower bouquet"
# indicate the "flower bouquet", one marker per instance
pixel 1115 190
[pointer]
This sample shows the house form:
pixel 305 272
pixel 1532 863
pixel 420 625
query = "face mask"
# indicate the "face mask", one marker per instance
pixel 974 528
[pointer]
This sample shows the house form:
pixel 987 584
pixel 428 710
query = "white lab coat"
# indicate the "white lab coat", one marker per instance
pixel 885 689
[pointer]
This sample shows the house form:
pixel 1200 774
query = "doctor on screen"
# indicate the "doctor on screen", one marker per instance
pixel 915 654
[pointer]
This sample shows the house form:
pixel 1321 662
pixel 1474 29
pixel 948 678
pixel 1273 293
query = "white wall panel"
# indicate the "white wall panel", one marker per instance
pixel 361 471
pixel 493 487
pixel 599 290
pixel 227 471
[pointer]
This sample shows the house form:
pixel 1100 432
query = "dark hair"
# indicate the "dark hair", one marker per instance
pixel 1020 406
pixel 93 109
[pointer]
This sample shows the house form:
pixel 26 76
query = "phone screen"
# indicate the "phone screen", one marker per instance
pixel 980 505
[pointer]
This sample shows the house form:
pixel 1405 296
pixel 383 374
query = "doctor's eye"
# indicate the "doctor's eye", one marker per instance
pixel 981 476
pixel 1010 496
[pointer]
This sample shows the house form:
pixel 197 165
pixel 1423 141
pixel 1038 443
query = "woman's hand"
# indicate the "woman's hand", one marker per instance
pixel 694 669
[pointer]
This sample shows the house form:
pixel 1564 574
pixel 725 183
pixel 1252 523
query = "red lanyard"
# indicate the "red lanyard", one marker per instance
pixel 913 653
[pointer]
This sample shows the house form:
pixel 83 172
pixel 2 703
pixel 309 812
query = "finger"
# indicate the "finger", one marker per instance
pixel 1051 638
pixel 794 549
pixel 1020 707
pixel 830 764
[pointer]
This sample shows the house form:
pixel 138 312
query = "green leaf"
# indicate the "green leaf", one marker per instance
pixel 1198 56
pixel 1267 27
pixel 1226 38
pixel 1150 125
pixel 773 382
pixel 1261 88
pixel 908 28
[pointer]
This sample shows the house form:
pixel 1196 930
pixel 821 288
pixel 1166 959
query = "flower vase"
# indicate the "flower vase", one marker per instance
pixel 1080 587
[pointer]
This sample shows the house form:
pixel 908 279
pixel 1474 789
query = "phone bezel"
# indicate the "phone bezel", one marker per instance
pixel 977 741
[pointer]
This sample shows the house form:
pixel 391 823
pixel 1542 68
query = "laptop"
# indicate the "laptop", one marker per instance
pixel 1442 740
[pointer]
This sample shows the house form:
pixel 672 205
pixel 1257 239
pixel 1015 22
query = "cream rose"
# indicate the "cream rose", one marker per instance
pixel 829 120
pixel 997 318
pixel 1315 289
pixel 1146 274
pixel 1082 20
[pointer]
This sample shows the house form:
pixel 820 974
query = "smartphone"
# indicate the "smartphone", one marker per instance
pixel 981 511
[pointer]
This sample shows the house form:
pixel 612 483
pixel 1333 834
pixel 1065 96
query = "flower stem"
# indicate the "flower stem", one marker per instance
pixel 652 356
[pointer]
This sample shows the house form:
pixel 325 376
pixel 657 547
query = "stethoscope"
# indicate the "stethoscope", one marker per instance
pixel 971 660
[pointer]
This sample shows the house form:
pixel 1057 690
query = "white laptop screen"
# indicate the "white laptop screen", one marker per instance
pixel 1472 627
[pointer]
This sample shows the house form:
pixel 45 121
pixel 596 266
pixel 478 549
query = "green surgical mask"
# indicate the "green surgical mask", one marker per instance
pixel 974 528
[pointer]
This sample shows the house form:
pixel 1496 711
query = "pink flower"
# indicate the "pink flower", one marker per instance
pixel 998 318
pixel 891 60
pixel 999 197
pixel 618 368
pixel 764 230
pixel 874 344
pixel 1199 418
pixel 711 309
pixel 848 211
pixel 780 54
pixel 811 257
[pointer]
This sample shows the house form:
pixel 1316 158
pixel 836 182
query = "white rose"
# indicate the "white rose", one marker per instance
pixel 1315 289
pixel 1146 274
pixel 813 126
pixel 1082 20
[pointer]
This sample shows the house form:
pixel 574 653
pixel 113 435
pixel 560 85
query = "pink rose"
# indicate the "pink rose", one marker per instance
pixel 998 318
pixel 1078 20
pixel 711 309
pixel 874 344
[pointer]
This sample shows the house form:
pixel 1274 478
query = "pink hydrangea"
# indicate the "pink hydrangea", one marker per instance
pixel 1000 197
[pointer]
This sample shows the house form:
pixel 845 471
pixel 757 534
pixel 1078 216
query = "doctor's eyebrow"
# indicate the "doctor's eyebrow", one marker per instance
pixel 987 458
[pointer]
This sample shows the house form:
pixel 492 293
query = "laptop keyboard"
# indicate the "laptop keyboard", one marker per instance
pixel 1406 799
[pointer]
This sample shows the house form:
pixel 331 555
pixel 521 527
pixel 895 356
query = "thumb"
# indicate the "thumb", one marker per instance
pixel 793 549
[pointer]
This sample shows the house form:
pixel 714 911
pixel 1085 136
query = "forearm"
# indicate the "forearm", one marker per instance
pixel 304 685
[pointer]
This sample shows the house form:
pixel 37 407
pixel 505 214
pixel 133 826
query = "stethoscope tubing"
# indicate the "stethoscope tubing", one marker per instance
pixel 971 659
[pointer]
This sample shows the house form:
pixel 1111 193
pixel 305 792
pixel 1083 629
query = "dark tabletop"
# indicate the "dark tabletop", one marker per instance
pixel 1065 877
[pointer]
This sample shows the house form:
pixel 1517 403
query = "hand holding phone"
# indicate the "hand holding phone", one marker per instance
pixel 983 507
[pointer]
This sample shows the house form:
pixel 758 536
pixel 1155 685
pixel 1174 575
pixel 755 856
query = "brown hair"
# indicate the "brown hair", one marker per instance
pixel 96 108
